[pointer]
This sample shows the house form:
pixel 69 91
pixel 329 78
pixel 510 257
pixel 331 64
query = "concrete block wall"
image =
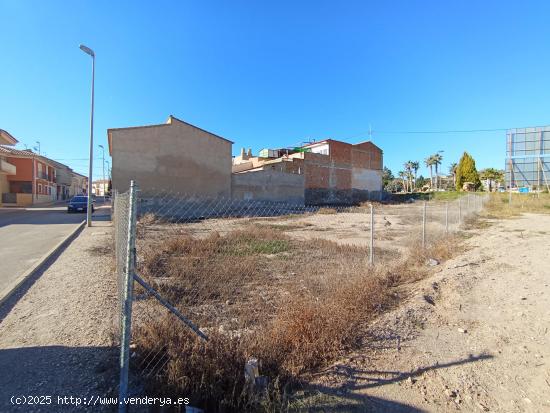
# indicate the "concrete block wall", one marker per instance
pixel 175 157
pixel 268 185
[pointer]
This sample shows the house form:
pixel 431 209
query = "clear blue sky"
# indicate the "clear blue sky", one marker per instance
pixel 270 74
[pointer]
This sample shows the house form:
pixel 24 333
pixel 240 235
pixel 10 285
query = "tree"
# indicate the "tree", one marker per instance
pixel 415 167
pixel 408 172
pixel 387 176
pixel 452 171
pixel 403 176
pixel 491 175
pixel 429 162
pixel 421 181
pixel 467 172
pixel 437 159
pixel 395 185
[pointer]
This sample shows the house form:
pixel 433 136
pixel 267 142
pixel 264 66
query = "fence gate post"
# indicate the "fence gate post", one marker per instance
pixel 371 249
pixel 127 286
pixel 424 225
pixel 447 217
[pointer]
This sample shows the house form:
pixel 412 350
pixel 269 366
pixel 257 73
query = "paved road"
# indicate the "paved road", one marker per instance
pixel 26 235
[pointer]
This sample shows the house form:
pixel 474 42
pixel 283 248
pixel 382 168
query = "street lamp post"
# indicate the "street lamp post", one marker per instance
pixel 103 159
pixel 90 52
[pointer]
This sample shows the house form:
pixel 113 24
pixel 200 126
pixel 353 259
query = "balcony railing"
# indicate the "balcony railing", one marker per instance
pixel 7 168
pixel 46 177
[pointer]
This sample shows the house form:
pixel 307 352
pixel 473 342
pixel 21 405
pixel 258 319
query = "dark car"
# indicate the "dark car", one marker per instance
pixel 79 204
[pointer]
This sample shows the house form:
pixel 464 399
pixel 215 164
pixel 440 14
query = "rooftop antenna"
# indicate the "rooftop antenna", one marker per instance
pixel 37 148
pixel 370 132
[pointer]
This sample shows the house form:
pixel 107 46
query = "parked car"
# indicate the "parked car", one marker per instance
pixel 79 203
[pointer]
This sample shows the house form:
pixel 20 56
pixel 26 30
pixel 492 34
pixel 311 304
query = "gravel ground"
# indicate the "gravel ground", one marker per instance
pixel 56 338
pixel 474 337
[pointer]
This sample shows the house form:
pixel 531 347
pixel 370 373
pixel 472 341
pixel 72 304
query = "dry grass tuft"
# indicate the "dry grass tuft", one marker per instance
pixel 499 205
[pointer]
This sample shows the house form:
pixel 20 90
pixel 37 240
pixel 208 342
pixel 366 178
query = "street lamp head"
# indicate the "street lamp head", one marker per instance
pixel 87 50
pixel 101 146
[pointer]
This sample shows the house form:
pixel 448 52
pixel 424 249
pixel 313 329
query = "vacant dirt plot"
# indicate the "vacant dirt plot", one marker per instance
pixel 396 226
pixel 293 291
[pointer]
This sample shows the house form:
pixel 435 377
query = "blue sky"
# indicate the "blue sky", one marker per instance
pixel 271 74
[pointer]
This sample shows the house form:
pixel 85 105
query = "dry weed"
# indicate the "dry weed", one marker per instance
pixel 499 205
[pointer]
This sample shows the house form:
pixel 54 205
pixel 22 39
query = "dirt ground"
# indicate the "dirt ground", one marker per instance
pixel 396 226
pixel 56 336
pixel 473 337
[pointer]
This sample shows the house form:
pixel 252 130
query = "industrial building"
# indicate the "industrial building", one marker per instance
pixel 528 158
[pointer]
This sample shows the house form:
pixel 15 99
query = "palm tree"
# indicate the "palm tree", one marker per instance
pixel 491 175
pixel 452 171
pixel 402 175
pixel 437 158
pixel 415 167
pixel 408 168
pixel 410 178
pixel 429 162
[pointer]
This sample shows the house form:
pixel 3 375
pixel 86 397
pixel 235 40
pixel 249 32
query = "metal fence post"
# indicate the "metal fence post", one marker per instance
pixel 371 250
pixel 424 225
pixel 128 283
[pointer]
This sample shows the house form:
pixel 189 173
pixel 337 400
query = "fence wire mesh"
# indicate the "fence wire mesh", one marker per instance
pixel 120 217
pixel 228 268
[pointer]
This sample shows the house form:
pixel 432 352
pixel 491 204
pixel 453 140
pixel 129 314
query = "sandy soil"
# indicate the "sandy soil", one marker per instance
pixel 474 337
pixel 56 338
pixel 396 226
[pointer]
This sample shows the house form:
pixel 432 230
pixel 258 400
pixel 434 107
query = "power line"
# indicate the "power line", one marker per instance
pixel 374 132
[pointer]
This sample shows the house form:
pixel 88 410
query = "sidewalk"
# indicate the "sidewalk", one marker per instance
pixel 57 338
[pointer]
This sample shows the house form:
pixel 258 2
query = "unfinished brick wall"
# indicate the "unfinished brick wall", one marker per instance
pixel 349 174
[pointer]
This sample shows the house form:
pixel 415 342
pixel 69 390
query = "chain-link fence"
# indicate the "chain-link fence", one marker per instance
pixel 211 268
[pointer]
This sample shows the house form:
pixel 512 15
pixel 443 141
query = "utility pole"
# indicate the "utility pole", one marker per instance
pixel 90 52
pixel 103 159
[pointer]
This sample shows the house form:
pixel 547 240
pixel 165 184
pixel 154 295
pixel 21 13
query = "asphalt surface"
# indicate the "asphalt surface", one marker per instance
pixel 27 234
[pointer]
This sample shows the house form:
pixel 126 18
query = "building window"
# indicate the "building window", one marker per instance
pixel 39 189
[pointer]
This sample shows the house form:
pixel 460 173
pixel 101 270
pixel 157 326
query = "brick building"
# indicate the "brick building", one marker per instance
pixel 320 173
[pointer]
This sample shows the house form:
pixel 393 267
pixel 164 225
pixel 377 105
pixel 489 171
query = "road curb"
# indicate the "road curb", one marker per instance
pixel 41 263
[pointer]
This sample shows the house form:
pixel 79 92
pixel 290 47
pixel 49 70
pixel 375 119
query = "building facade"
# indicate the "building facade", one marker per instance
pixel 100 187
pixel 320 173
pixel 34 180
pixel 528 158
pixel 176 157
pixel 79 184
pixel 6 168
